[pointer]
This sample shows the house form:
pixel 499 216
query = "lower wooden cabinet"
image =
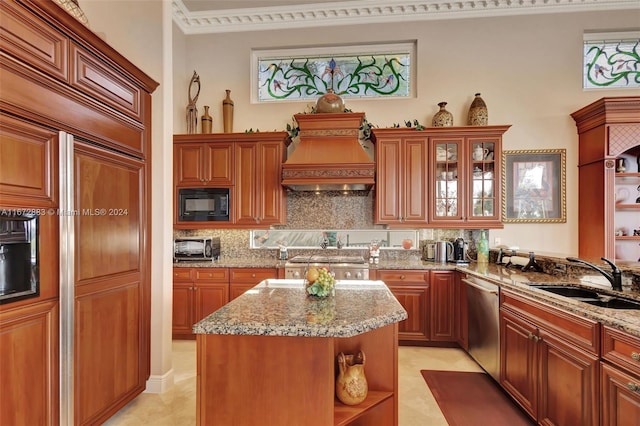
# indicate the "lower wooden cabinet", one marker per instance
pixel 242 279
pixel 30 363
pixel 411 288
pixel 620 378
pixel 545 364
pixel 442 309
pixel 460 312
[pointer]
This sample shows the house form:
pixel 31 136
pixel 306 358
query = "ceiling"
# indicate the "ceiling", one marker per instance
pixel 220 16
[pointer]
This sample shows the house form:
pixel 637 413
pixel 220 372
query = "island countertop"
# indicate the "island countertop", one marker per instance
pixel 278 307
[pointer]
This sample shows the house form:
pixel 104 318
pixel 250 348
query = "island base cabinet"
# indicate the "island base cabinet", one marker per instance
pixel 620 397
pixel 288 380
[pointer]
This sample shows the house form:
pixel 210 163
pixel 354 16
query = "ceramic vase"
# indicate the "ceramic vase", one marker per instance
pixel 478 115
pixel 442 118
pixel 351 383
pixel 207 121
pixel 227 112
pixel 329 103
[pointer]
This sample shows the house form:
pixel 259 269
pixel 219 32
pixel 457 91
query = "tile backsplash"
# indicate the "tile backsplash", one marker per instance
pixel 323 210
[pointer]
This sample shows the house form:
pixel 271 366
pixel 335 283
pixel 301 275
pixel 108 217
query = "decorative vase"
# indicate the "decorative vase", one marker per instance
pixel 442 118
pixel 329 103
pixel 227 112
pixel 478 115
pixel 207 121
pixel 72 7
pixel 351 383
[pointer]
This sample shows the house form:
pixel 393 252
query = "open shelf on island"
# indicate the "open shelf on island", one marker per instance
pixel 345 414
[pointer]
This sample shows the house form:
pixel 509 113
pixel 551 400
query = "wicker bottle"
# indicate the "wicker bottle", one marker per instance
pixel 478 115
pixel 442 118
pixel 227 112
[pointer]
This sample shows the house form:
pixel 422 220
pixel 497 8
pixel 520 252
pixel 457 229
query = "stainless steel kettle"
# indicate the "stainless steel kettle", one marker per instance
pixel 444 251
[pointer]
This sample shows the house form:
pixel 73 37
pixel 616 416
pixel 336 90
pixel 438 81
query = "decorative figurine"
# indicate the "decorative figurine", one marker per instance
pixel 192 111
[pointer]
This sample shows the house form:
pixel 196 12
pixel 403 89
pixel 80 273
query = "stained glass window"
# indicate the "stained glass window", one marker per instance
pixel 352 72
pixel 611 60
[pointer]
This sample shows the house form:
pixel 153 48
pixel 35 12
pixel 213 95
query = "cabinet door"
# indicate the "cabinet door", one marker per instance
pixel 29 371
pixel 447 179
pixel 218 167
pixel 461 316
pixel 182 310
pixel 188 160
pixel 112 296
pixel 209 298
pixel 246 202
pixel 568 384
pixel 269 190
pixel 243 279
pixel 414 191
pixel 518 361
pixel 388 180
pixel 442 322
pixel 620 397
pixel 483 195
pixel 414 299
pixel 28 155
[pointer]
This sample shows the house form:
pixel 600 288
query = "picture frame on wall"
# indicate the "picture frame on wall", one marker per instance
pixel 534 186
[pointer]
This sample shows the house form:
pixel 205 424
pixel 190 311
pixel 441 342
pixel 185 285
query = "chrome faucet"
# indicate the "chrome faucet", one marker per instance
pixel 615 277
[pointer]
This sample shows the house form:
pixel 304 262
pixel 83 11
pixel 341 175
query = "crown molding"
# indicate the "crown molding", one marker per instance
pixel 373 11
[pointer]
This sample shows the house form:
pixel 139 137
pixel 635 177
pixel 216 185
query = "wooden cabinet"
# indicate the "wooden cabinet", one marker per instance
pixel 411 289
pixel 607 195
pixel 60 78
pixel 549 361
pixel 460 312
pixel 198 163
pixel 242 279
pixel 249 164
pixel 442 309
pixel 260 198
pixel 465 180
pixel 444 176
pixel 401 177
pixel 197 292
pixel 620 378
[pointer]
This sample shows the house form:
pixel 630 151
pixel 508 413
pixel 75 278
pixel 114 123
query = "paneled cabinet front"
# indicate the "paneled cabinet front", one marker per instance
pixel 202 164
pixel 243 279
pixel 401 178
pixel 197 292
pixel 411 288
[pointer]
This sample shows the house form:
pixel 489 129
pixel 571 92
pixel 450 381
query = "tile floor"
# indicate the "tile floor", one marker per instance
pixel 177 406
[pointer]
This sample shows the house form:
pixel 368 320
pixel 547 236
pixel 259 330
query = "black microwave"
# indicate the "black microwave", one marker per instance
pixel 203 204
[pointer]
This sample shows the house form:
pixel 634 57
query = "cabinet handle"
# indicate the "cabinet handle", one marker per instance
pixel 633 387
pixel 402 277
pixel 534 337
pixel 253 275
pixel 635 356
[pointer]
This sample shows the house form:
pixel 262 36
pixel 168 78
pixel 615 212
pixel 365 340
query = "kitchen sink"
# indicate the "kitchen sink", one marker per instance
pixel 591 297
pixel 568 291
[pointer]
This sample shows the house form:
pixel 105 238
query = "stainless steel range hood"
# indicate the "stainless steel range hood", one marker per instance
pixel 329 156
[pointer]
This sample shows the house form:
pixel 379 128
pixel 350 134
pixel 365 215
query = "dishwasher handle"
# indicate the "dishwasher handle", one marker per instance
pixel 490 288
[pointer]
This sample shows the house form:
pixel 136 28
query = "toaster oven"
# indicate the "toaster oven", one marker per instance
pixel 196 249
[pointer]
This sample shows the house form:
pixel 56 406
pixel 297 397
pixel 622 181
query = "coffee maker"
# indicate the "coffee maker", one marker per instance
pixel 460 252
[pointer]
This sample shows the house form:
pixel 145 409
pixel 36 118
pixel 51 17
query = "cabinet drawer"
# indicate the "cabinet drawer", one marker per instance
pixel 24 37
pixel 251 275
pixel 621 349
pixel 181 274
pixel 92 76
pixel 579 331
pixel 400 276
pixel 212 274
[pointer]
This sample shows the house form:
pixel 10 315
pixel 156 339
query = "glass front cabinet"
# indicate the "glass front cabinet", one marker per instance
pixel 466 178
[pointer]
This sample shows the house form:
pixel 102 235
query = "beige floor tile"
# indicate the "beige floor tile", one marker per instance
pixel 177 406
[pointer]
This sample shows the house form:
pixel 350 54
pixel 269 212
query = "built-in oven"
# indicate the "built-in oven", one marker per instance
pixel 19 275
pixel 203 204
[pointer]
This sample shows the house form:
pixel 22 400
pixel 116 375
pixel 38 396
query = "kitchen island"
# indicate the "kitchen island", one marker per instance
pixel 269 356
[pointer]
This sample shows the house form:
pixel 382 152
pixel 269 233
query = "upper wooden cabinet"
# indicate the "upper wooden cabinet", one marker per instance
pixel 608 200
pixel 449 176
pixel 198 163
pixel 248 163
pixel 401 178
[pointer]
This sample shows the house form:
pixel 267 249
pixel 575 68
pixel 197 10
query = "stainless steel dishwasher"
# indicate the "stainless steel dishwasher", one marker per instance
pixel 484 324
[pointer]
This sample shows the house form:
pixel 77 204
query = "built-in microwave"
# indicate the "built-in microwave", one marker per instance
pixel 203 204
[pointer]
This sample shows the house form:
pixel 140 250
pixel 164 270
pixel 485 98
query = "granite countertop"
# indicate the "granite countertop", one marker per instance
pixel 282 308
pixel 520 282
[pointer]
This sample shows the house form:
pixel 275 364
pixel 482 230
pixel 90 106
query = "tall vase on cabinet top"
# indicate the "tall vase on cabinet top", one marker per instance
pixel 227 112
pixel 207 121
pixel 478 115
pixel 442 118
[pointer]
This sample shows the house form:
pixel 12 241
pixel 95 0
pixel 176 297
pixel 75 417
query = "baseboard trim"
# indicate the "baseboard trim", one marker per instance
pixel 160 384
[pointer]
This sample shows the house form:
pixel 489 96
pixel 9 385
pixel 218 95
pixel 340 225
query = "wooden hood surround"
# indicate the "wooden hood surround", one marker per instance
pixel 329 155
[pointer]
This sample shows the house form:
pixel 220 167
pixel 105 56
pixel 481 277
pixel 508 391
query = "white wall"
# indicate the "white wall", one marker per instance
pixel 528 69
pixel 141 31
